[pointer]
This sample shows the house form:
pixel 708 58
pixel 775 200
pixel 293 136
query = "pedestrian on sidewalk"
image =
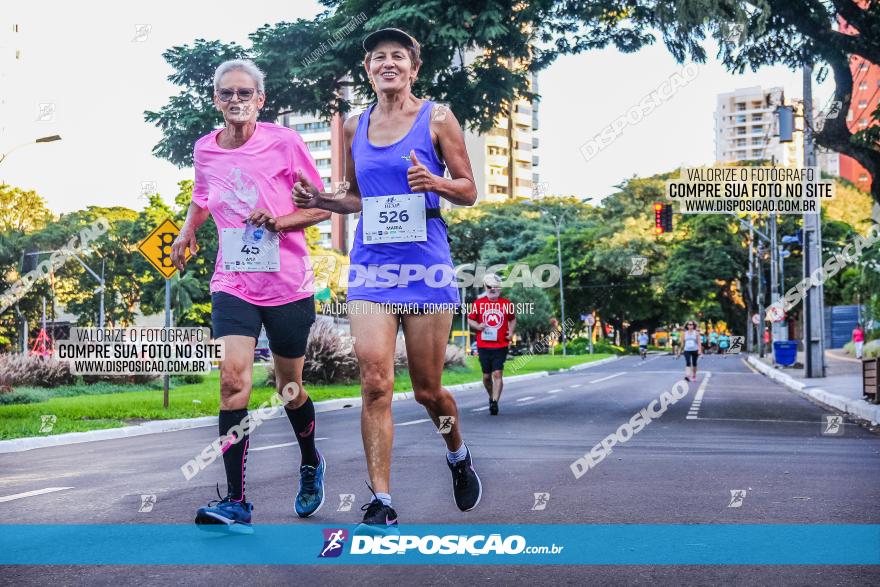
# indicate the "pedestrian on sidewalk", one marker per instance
pixel 858 337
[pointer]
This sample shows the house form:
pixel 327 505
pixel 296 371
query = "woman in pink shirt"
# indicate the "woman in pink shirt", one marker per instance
pixel 244 174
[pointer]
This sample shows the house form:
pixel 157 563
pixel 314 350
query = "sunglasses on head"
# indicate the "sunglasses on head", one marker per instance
pixel 244 94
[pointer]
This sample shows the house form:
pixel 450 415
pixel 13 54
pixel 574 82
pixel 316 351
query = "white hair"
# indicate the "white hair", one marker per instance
pixel 245 65
pixel 492 279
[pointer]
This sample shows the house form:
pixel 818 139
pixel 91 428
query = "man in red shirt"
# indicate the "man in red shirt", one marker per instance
pixel 494 320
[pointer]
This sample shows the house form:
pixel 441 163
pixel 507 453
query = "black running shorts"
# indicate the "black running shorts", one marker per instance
pixel 287 325
pixel 492 359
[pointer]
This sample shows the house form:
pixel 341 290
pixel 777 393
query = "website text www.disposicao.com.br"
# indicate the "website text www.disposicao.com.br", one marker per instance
pixel 431 544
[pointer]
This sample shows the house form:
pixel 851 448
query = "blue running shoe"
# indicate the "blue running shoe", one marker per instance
pixel 226 516
pixel 310 496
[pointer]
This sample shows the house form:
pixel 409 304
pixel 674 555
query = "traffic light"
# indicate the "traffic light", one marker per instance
pixel 667 217
pixel 662 218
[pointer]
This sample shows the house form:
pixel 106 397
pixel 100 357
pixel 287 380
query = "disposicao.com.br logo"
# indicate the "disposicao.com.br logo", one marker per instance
pixel 431 544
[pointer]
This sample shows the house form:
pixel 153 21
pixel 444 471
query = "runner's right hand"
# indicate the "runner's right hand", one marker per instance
pixel 184 241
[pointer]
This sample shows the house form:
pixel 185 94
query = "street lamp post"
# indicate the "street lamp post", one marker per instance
pixel 101 288
pixel 100 279
pixel 48 139
pixel 556 222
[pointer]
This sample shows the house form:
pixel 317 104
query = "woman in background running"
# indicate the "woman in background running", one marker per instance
pixel 693 348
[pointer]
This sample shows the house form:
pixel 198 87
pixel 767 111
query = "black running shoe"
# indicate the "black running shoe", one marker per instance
pixel 466 486
pixel 493 407
pixel 379 519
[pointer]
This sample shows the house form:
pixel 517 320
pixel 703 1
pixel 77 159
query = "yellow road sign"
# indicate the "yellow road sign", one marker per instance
pixel 157 247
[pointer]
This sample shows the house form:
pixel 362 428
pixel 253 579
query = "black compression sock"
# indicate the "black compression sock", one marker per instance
pixel 303 421
pixel 234 455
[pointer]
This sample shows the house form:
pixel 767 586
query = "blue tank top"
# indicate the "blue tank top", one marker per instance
pixel 382 171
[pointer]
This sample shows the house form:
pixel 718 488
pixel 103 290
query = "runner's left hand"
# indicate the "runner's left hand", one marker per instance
pixel 262 217
pixel 418 176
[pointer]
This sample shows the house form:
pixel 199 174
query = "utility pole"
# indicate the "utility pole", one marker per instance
pixel 561 293
pixel 760 324
pixel 749 324
pixel 778 328
pixel 814 352
pixel 166 378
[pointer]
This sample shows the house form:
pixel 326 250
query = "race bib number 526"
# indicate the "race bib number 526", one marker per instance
pixel 394 219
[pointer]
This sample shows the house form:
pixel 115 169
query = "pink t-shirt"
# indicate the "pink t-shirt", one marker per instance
pixel 231 183
pixel 858 335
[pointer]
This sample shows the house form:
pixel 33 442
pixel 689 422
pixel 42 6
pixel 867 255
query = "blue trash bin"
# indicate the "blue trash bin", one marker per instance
pixel 785 352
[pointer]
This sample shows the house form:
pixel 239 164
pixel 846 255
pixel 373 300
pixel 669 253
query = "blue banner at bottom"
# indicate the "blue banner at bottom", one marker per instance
pixel 613 544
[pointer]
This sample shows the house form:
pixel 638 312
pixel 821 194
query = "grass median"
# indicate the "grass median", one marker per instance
pixel 78 411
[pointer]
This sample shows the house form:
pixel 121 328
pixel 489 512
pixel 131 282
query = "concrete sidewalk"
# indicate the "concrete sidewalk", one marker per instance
pixel 840 389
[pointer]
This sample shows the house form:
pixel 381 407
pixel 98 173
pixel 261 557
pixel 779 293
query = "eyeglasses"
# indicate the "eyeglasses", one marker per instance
pixel 244 94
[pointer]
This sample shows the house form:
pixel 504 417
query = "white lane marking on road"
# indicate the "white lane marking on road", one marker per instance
pixel 32 493
pixel 609 377
pixel 698 399
pixel 414 422
pixel 525 399
pixel 483 409
pixel 554 391
pixel 575 385
pixel 259 448
pixel 810 422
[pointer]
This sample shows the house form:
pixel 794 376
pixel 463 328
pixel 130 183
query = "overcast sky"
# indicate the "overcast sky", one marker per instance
pixel 100 72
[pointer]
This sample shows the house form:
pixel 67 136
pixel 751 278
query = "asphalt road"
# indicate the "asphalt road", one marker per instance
pixel 746 433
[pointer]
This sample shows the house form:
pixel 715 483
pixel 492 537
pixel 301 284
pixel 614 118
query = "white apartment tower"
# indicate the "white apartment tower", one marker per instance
pixel 747 127
pixel 316 135
pixel 505 158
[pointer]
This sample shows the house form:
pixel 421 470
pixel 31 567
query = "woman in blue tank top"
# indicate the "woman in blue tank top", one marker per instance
pixel 396 154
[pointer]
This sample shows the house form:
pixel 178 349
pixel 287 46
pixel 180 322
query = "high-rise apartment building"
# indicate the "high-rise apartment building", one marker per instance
pixel 747 127
pixel 505 159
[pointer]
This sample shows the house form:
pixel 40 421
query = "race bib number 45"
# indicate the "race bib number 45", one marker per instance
pixel 394 219
pixel 250 250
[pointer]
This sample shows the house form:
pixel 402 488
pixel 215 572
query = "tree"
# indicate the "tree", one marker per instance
pixel 309 63
pixel 22 211
pixel 123 269
pixel 704 268
pixel 749 34
pixel 533 324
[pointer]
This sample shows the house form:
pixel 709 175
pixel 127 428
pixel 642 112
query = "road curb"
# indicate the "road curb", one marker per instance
pixel 591 364
pixel 857 408
pixel 160 426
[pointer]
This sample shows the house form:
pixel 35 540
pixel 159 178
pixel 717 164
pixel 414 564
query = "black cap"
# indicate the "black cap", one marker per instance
pixel 374 38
